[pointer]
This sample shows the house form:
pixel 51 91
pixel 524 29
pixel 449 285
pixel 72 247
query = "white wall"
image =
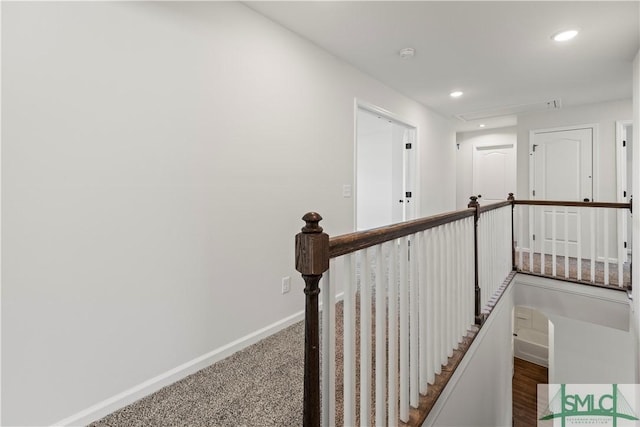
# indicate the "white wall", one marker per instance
pixel 156 161
pixel 604 115
pixel 635 219
pixel 586 353
pixel 464 158
pixel 479 392
pixel 585 303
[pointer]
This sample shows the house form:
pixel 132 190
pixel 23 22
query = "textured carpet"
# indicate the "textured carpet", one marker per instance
pixel 259 386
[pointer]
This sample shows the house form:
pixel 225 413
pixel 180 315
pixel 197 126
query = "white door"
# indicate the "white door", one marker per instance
pixel 562 164
pixel 494 172
pixel 384 168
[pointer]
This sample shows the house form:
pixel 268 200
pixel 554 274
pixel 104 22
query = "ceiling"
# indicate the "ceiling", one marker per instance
pixel 500 54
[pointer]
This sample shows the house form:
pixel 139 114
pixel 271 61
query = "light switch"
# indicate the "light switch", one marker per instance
pixel 346 190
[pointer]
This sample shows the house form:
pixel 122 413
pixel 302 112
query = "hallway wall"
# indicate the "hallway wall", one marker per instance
pixel 156 160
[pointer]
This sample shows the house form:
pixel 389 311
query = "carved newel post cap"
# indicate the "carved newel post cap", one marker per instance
pixel 511 197
pixel 312 247
pixel 312 225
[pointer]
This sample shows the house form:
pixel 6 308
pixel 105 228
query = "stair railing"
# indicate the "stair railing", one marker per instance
pixel 410 293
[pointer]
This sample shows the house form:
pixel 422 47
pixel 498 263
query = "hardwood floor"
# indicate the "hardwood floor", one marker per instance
pixel 526 377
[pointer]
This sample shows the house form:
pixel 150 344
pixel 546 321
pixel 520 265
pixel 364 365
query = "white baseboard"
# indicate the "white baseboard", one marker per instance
pixel 152 385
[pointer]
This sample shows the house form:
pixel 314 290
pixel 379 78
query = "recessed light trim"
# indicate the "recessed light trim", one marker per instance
pixel 407 53
pixel 456 94
pixel 482 125
pixel 564 36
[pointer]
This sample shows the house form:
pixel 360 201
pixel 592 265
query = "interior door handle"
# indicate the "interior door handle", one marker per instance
pixel 586 199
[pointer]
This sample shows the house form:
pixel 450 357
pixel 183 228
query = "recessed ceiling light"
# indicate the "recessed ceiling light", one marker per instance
pixel 564 36
pixel 407 53
pixel 455 94
pixel 482 125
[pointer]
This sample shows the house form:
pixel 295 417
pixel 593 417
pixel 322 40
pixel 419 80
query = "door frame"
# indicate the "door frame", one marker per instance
pixel 621 183
pixel 415 170
pixel 595 194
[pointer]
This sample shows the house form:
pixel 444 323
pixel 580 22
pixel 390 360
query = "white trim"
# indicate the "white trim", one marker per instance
pixel 595 292
pixel 621 185
pixel 120 400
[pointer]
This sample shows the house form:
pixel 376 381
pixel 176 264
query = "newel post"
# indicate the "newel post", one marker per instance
pixel 312 259
pixel 475 205
pixel 514 267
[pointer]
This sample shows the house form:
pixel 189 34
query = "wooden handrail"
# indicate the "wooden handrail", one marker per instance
pixel 612 205
pixel 493 206
pixel 352 242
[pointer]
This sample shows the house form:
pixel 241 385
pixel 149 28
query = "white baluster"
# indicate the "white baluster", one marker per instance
pixel 349 306
pixel 437 302
pixel 620 245
pixel 531 235
pixel 520 236
pixel 431 304
pixel 404 331
pixel 413 320
pixel 450 283
pixel 554 238
pixel 593 244
pixel 566 242
pixel 541 238
pixel 381 340
pixel 365 340
pixel 443 298
pixel 422 312
pixel 393 334
pixel 605 225
pixel 579 241
pixel 328 347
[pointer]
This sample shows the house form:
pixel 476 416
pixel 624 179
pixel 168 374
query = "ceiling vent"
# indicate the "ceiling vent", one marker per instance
pixel 511 110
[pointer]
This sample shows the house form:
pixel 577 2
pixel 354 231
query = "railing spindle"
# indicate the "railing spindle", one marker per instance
pixel 554 215
pixel 349 307
pixel 381 340
pixel 414 349
pixel 393 335
pixel 404 331
pixel 365 343
pixel 593 245
pixel 605 225
pixel 423 310
pixel 566 242
pixel 579 241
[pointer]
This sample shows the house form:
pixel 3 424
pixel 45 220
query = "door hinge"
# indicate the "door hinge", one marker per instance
pixel 534 192
pixel 624 143
pixel 407 194
pixel 625 245
pixel 534 237
pixel 408 146
pixel 624 194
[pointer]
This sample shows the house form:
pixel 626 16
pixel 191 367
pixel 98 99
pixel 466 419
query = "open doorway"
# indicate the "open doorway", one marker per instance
pixel 385 168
